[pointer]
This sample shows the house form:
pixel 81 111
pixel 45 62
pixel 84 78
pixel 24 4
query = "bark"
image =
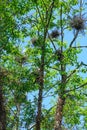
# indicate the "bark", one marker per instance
pixel 17 116
pixel 61 101
pixel 38 117
pixel 59 114
pixel 41 86
pixel 2 111
pixel 39 111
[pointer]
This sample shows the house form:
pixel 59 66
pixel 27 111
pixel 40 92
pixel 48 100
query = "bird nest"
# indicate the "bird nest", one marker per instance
pixel 55 33
pixel 59 54
pixel 37 41
pixel 34 41
pixel 37 76
pixel 77 22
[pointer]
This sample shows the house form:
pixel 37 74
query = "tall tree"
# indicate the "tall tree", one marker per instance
pixel 9 36
pixel 46 66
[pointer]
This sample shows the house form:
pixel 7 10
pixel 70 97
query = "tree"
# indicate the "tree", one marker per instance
pixel 65 54
pixel 8 37
pixel 46 66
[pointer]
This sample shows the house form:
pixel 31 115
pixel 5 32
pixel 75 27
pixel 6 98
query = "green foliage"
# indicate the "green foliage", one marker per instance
pixel 25 28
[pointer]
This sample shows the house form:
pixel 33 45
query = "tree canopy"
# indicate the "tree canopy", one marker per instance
pixel 43 83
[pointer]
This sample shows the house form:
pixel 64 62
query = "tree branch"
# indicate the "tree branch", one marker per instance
pixel 48 18
pixel 32 126
pixel 79 47
pixel 74 70
pixel 81 86
pixel 52 42
pixel 84 64
pixel 39 14
pixel 74 38
pixel 54 68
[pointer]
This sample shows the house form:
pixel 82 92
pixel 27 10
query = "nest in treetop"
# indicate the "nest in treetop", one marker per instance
pixel 77 22
pixel 36 42
pixel 21 59
pixel 55 33
pixel 59 55
pixel 38 78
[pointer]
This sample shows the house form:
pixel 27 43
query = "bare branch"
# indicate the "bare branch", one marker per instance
pixel 81 7
pixel 52 42
pixel 79 47
pixel 84 64
pixel 32 126
pixel 74 38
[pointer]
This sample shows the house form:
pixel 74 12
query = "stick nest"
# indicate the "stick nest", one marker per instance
pixel 77 22
pixel 55 33
pixel 59 55
pixel 34 41
pixel 37 41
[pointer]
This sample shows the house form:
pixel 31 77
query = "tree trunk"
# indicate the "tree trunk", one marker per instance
pixel 59 114
pixel 61 102
pixel 38 117
pixel 18 116
pixel 41 86
pixel 2 111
